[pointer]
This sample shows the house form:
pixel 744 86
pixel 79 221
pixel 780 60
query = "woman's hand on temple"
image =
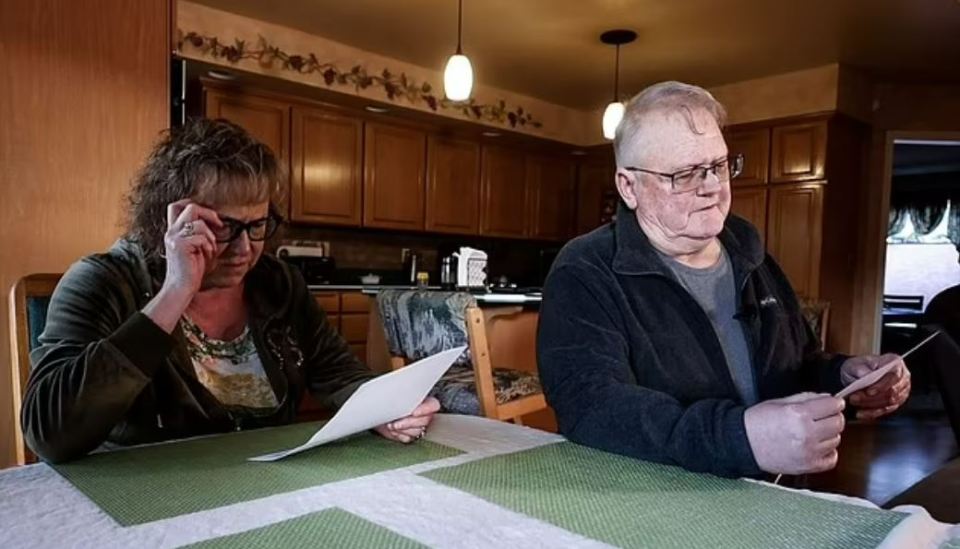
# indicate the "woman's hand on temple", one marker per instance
pixel 189 247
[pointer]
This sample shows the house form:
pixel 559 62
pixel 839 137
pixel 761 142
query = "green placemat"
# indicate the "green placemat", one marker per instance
pixel 166 480
pixel 632 503
pixel 331 528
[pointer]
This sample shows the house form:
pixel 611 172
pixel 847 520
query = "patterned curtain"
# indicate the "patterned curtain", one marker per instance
pixel 953 222
pixel 898 218
pixel 927 216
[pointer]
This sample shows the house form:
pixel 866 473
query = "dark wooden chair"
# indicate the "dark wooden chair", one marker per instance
pixel 29 299
pixel 909 302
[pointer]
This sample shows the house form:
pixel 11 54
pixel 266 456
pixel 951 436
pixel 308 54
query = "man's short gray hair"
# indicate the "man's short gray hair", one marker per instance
pixel 668 96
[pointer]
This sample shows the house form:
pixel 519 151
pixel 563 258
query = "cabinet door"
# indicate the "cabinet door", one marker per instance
pixel 266 119
pixel 551 186
pixel 594 182
pixel 799 152
pixel 754 145
pixel 794 233
pixel 453 186
pixel 394 164
pixel 326 184
pixel 503 193
pixel 750 203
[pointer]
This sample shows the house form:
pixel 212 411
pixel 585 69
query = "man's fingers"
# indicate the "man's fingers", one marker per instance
pixel 827 428
pixel 823 406
pixel 825 463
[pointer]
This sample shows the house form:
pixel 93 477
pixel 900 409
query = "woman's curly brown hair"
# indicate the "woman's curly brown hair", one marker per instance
pixel 215 162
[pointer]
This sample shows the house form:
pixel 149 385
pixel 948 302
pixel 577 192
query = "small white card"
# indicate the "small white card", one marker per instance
pixel 381 400
pixel 867 380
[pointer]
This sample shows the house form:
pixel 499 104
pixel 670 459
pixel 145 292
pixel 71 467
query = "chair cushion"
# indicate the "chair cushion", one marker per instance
pixel 418 324
pixel 457 389
pixel 36 318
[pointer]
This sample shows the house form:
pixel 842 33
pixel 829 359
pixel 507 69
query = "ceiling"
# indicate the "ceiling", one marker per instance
pixel 550 49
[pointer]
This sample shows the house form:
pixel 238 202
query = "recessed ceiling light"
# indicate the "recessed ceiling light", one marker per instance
pixel 376 109
pixel 221 74
pixel 491 134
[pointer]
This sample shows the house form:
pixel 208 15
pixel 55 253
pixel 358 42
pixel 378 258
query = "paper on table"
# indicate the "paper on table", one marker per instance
pixel 378 401
pixel 867 380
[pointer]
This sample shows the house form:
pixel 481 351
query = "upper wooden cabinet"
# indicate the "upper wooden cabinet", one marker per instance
pixel 453 186
pixel 551 187
pixel 794 233
pixel 596 180
pixel 754 145
pixel 326 168
pixel 503 193
pixel 394 170
pixel 750 203
pixel 799 152
pixel 266 119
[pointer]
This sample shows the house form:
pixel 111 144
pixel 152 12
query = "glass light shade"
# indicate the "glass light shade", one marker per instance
pixel 458 78
pixel 611 119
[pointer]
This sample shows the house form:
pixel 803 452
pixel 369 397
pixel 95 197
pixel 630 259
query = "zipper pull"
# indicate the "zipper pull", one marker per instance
pixel 159 422
pixel 237 424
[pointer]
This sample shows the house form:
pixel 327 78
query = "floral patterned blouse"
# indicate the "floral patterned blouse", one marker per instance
pixel 230 370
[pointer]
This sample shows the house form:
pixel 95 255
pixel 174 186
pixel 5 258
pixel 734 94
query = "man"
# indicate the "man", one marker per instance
pixel 670 336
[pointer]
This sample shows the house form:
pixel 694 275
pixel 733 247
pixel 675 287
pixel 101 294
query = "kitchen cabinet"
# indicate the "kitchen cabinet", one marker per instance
pixel 750 203
pixel 798 152
pixel 795 232
pixel 394 177
pixel 453 186
pixel 266 119
pixel 551 186
pixel 595 186
pixel 504 200
pixel 326 180
pixel 754 145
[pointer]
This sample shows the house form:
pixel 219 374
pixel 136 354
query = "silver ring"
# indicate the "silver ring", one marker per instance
pixel 187 230
pixel 423 431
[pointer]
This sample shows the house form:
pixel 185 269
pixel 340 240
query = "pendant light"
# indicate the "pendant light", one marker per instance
pixel 458 76
pixel 614 111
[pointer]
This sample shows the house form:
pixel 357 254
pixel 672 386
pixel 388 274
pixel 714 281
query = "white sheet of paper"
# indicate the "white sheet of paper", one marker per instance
pixel 378 401
pixel 866 380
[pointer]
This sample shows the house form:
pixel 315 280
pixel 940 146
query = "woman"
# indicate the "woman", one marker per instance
pixel 184 327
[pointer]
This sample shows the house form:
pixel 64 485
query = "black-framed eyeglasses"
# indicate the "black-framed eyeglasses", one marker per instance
pixel 257 230
pixel 690 179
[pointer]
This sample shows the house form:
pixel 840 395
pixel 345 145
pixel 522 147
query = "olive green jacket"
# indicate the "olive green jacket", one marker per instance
pixel 104 374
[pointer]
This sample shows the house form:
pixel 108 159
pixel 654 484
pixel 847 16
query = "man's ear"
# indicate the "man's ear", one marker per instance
pixel 626 189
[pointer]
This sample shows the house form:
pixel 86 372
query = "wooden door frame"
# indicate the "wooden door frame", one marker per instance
pixel 874 250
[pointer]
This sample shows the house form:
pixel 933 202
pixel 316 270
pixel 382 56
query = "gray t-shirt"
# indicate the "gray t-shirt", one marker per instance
pixel 715 290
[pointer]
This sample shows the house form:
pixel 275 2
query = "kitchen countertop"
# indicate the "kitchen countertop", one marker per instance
pixel 487 298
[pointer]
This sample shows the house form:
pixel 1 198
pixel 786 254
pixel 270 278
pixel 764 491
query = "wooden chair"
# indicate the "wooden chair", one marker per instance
pixel 817 314
pixel 478 324
pixel 28 315
pixel 910 302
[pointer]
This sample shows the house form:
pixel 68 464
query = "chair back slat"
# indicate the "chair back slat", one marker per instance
pixel 29 300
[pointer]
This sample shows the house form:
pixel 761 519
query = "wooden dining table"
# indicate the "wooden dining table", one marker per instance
pixel 471 482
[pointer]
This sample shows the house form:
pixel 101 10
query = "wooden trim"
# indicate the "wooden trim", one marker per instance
pixel 35 285
pixel 482 367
